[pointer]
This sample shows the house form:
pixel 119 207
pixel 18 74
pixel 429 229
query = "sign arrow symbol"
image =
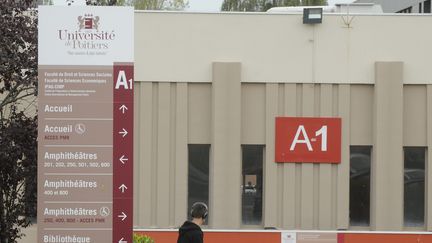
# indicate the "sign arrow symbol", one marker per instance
pixel 123 108
pixel 123 188
pixel 123 216
pixel 122 241
pixel 123 159
pixel 124 132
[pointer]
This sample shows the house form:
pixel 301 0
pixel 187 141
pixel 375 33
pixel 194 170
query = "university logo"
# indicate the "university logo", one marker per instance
pixel 88 22
pixel 89 34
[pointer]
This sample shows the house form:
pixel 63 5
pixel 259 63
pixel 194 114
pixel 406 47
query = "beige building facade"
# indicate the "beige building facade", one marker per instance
pixel 221 79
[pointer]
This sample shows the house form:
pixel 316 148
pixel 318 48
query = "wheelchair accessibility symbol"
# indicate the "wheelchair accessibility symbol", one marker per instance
pixel 104 211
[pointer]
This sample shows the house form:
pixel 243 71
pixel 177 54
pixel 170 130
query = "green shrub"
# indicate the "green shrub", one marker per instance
pixel 138 238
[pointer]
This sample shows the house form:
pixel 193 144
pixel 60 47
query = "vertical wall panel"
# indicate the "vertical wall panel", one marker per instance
pixel 289 181
pixel 144 155
pixel 225 164
pixel 343 170
pixel 270 167
pixel 335 167
pixel 181 156
pixel 200 113
pixel 428 182
pixel 316 167
pixel 414 115
pixel 362 98
pixel 253 113
pixel 387 162
pixel 279 166
pixel 298 166
pixel 163 155
pixel 136 155
pixel 172 153
pixel 154 152
pixel 307 170
pixel 325 185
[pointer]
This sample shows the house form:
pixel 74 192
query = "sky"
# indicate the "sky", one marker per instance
pixel 214 5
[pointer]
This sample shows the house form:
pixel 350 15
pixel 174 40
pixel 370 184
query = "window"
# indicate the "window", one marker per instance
pixel 414 186
pixel 360 164
pixel 427 6
pixel 198 174
pixel 252 185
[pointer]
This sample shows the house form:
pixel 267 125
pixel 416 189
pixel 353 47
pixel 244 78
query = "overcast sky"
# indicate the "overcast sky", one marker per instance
pixel 214 5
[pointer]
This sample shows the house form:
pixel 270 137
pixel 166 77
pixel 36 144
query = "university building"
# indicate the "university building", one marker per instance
pixel 209 87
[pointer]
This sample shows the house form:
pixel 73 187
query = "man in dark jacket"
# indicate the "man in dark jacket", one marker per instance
pixel 190 231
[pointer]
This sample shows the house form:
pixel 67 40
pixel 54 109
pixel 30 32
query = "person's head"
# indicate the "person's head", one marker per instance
pixel 199 212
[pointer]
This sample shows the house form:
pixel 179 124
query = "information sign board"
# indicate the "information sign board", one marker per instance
pixel 85 124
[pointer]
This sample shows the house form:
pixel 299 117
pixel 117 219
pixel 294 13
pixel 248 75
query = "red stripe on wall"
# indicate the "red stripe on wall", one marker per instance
pixel 340 238
pixel 219 237
pixel 387 238
pixel 275 237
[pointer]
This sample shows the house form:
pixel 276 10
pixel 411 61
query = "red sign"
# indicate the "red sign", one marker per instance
pixel 123 152
pixel 308 139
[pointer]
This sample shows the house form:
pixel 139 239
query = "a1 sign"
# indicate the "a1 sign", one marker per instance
pixel 308 139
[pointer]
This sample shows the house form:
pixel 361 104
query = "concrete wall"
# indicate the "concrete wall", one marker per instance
pixel 221 79
pixel 181 47
pixel 387 116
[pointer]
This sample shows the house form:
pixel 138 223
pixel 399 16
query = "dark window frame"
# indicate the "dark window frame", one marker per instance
pixel 360 185
pixel 414 214
pixel 427 6
pixel 252 184
pixel 198 174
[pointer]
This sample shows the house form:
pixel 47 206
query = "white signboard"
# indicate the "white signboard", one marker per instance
pixel 288 237
pixel 85 35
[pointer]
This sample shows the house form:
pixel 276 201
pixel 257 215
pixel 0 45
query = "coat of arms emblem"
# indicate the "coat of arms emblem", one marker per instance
pixel 88 22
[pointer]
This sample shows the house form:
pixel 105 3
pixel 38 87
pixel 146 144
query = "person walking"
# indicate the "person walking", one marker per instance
pixel 190 231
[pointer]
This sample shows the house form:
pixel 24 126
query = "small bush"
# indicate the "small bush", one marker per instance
pixel 138 238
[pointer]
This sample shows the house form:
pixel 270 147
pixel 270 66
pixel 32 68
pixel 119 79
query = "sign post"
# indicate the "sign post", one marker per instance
pixel 85 130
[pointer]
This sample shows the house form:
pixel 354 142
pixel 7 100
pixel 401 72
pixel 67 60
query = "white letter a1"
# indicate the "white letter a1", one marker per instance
pixel 305 140
pixel 122 80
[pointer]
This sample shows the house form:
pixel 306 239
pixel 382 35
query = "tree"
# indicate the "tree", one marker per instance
pixel 105 2
pixel 18 178
pixel 18 126
pixel 161 4
pixel 264 5
pixel 144 4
